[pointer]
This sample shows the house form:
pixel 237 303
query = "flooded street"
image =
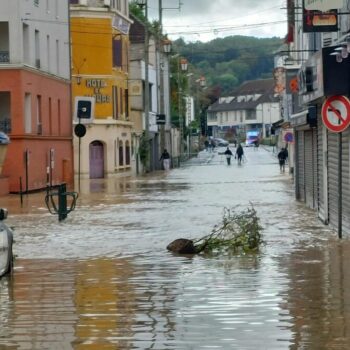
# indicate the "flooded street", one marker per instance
pixel 103 279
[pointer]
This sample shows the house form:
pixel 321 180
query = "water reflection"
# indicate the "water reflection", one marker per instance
pixel 103 279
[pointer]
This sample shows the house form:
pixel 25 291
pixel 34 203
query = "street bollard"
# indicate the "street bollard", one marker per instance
pixel 62 202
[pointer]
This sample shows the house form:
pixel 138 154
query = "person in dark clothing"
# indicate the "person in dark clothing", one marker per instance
pixel 228 154
pixel 166 160
pixel 282 156
pixel 239 153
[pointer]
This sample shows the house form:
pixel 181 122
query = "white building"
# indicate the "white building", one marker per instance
pixel 252 106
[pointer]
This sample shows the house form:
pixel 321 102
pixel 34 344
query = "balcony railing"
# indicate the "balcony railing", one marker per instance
pixel 4 57
pixel 5 125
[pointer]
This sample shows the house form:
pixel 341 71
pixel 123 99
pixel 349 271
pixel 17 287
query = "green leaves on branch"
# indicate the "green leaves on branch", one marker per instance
pixel 239 232
pixel 144 150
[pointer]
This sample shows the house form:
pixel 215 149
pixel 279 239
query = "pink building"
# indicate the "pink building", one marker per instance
pixel 35 105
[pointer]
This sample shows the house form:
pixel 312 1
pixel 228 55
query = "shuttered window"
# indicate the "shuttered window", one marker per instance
pixel 117 53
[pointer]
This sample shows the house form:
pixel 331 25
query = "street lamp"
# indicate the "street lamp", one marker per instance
pixel 167 45
pixel 183 65
pixel 143 4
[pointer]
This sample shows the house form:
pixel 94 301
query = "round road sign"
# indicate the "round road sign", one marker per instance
pixel 336 113
pixel 80 130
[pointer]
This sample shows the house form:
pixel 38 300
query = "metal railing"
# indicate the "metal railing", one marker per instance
pixel 5 125
pixel 4 57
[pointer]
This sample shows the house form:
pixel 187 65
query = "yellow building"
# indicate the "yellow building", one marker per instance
pixel 99 51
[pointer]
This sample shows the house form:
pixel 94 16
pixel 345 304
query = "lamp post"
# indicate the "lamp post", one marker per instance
pixel 166 46
pixel 143 5
pixel 182 64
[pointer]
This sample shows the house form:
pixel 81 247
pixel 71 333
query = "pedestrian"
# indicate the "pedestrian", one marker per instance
pixel 228 154
pixel 239 153
pixel 286 151
pixel 206 145
pixel 282 156
pixel 166 159
pixel 212 144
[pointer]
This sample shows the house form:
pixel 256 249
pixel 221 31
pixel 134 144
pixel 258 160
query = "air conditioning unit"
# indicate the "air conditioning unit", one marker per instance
pixel 83 2
pixel 107 3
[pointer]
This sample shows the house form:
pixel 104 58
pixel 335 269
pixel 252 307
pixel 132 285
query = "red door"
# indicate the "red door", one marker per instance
pixel 96 160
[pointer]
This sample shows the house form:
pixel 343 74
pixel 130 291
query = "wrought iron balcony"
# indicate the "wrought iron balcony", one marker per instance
pixel 5 125
pixel 4 57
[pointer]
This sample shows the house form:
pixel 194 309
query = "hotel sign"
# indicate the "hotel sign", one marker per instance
pixel 97 85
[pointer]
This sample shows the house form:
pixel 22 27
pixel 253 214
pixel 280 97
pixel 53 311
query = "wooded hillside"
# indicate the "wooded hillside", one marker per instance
pixel 227 62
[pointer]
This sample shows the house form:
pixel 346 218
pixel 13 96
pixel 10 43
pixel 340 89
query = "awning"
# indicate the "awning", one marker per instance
pixel 307 117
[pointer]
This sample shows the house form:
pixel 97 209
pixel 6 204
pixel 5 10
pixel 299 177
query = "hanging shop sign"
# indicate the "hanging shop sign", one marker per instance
pixel 336 113
pixel 315 20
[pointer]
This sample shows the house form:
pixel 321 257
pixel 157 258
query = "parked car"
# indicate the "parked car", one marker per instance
pixel 219 142
pixel 6 239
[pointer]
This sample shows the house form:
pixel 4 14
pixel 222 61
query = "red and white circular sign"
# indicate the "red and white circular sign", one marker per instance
pixel 336 113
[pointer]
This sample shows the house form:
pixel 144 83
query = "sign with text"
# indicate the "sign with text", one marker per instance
pixel 320 21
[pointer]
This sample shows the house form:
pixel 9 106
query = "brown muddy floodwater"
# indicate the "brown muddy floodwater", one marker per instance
pixel 102 279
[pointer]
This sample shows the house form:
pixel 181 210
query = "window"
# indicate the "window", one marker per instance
pixel 26 45
pixel 39 127
pixel 121 153
pixel 5 112
pixel 59 116
pixel 57 57
pixel 48 52
pixel 127 104
pixel 127 153
pixel 27 113
pixel 4 43
pixel 50 116
pixel 121 102
pixel 117 53
pixel 115 102
pixel 37 49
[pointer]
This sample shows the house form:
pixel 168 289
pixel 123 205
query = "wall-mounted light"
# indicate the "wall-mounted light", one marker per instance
pixel 183 64
pixel 141 3
pixel 342 51
pixel 167 45
pixel 78 78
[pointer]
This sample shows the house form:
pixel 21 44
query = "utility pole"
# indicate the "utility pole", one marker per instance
pixel 161 71
pixel 146 48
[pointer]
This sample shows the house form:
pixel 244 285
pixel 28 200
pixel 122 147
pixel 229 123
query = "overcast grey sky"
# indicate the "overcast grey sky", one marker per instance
pixel 205 20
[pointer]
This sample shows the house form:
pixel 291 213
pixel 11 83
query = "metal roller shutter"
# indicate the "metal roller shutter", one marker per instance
pixel 346 182
pixel 314 167
pixel 300 170
pixel 320 171
pixel 332 165
pixel 309 175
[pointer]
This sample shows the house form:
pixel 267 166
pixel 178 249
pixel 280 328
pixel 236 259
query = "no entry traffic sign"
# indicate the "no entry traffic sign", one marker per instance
pixel 336 113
